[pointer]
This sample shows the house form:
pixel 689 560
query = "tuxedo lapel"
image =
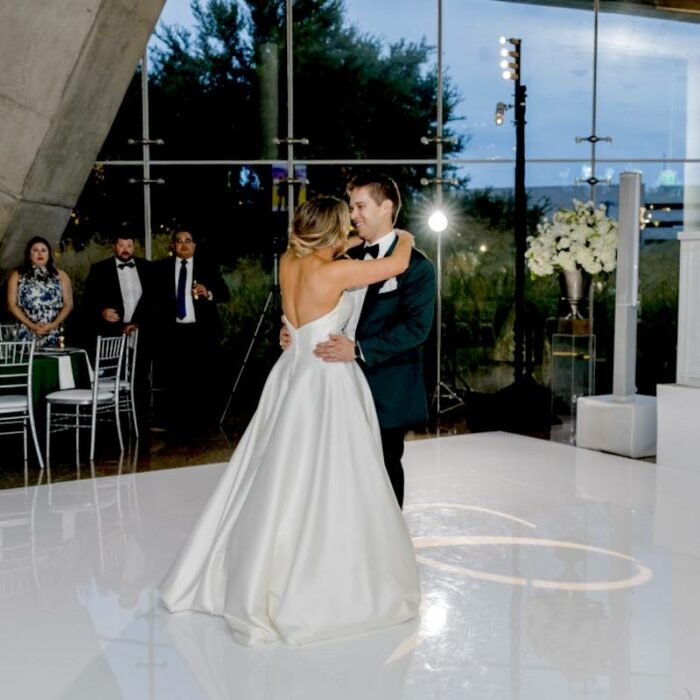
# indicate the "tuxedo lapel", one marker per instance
pixel 172 284
pixel 113 288
pixel 113 275
pixel 392 246
pixel 357 253
pixel 141 269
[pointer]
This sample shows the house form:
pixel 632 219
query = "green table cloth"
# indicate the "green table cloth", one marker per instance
pixel 46 376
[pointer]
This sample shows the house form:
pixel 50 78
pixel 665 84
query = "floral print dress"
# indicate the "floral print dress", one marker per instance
pixel 40 296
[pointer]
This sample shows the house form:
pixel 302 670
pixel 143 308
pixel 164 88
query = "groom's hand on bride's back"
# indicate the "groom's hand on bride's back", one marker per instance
pixel 337 348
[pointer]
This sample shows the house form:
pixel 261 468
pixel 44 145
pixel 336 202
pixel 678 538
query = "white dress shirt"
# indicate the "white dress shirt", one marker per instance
pixel 189 301
pixel 131 289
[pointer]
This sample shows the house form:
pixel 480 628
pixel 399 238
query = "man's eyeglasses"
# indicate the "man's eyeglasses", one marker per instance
pixel 184 240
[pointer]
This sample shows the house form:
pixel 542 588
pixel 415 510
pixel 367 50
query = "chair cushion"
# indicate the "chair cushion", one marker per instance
pixel 11 403
pixel 108 385
pixel 78 396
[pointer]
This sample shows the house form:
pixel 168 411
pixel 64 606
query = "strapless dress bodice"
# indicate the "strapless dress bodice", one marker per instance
pixel 306 337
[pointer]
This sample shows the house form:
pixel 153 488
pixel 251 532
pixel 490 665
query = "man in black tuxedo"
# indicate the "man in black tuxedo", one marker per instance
pixel 118 299
pixel 395 319
pixel 188 290
pixel 117 293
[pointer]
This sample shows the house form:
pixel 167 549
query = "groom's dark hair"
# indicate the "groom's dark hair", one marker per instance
pixel 380 187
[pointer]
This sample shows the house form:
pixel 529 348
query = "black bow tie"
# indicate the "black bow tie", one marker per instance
pixel 121 266
pixel 372 250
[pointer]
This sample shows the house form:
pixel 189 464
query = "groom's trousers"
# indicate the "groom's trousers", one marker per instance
pixel 392 445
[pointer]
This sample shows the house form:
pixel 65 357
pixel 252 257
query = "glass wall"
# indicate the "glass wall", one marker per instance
pixel 362 89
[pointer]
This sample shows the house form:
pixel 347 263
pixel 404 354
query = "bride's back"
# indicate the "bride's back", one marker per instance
pixel 319 231
pixel 307 291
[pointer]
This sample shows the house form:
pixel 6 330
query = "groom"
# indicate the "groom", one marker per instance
pixel 394 321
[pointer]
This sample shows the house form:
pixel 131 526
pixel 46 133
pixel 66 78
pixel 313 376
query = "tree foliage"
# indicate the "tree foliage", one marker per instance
pixel 218 92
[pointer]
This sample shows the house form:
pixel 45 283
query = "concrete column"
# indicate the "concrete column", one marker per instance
pixel 66 65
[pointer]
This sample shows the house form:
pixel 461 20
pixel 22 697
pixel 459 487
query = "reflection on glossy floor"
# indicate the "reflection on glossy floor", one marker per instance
pixel 547 571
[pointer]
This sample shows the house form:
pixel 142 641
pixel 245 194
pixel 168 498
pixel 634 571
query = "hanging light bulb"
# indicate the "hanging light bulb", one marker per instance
pixel 500 115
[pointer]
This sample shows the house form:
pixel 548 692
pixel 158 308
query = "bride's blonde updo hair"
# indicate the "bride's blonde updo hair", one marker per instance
pixel 318 223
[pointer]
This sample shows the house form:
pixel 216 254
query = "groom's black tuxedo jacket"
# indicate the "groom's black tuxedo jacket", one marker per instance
pixel 391 331
pixel 102 291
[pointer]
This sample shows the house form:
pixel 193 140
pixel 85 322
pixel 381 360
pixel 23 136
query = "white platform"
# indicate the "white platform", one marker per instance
pixel 626 428
pixel 549 573
pixel 679 426
pixel 688 359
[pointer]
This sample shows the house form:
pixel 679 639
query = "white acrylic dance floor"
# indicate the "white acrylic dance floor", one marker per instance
pixel 548 573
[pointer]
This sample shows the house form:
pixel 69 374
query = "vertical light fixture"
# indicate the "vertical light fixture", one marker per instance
pixel 511 65
pixel 438 222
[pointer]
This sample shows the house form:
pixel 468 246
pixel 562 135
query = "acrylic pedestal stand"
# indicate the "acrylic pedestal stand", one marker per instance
pixel 573 376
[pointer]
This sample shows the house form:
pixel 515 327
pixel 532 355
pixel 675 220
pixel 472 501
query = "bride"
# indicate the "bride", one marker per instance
pixel 302 539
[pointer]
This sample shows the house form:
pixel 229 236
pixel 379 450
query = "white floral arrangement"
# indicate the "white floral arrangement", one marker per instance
pixel 582 237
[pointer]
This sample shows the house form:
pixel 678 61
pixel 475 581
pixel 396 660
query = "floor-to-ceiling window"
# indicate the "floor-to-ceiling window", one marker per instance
pixel 361 93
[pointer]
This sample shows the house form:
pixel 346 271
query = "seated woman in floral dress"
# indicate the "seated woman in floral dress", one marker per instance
pixel 39 295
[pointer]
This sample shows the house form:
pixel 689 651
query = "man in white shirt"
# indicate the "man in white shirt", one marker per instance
pixel 188 289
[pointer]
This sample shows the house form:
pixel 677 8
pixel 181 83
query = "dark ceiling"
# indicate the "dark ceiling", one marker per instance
pixel 679 10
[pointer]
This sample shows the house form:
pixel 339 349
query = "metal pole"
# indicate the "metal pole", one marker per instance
pixel 594 110
pixel 438 197
pixel 145 135
pixel 520 228
pixel 290 115
pixel 438 131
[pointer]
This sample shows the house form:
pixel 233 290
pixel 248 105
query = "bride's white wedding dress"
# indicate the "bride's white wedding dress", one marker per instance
pixel 302 539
